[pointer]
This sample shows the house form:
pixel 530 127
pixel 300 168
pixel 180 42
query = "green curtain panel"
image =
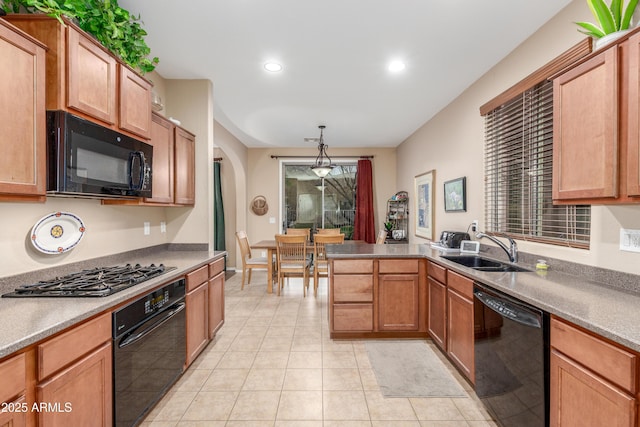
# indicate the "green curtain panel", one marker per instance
pixel 218 210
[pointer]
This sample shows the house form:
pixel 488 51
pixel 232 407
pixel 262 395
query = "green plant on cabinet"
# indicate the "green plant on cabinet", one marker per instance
pixel 114 27
pixel 609 19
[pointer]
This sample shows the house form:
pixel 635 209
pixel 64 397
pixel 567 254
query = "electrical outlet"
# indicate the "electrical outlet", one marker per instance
pixel 263 254
pixel 474 225
pixel 629 240
pixel 147 228
pixel 163 227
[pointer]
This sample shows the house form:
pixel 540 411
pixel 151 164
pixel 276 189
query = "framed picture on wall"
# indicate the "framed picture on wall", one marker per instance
pixel 424 209
pixel 455 195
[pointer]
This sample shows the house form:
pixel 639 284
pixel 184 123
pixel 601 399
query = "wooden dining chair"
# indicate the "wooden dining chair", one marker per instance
pixel 248 261
pixel 320 262
pixel 328 231
pixel 299 231
pixel 382 237
pixel 292 259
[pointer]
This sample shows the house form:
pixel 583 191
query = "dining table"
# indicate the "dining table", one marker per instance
pixel 270 246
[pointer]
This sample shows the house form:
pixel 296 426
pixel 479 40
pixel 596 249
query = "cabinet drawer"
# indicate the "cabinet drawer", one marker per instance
pixel 437 272
pixel 216 267
pixel 353 288
pixel 197 277
pixel 463 285
pixel 13 374
pixel 394 266
pixel 64 349
pixel 350 266
pixel 611 362
pixel 353 317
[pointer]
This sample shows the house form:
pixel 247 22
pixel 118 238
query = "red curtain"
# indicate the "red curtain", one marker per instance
pixel 363 227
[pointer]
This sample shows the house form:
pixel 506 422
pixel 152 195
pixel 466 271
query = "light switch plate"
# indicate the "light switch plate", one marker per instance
pixel 272 220
pixel 629 240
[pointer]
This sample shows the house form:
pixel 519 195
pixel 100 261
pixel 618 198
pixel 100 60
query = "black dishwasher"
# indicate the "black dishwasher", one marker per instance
pixel 149 351
pixel 511 359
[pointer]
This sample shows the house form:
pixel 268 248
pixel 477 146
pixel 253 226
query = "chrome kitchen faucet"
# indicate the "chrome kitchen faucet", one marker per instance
pixel 511 251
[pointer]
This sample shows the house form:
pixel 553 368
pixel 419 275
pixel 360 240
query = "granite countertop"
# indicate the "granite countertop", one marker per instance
pixel 605 310
pixel 25 321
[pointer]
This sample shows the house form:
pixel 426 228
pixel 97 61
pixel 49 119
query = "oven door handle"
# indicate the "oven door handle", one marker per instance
pixel 135 336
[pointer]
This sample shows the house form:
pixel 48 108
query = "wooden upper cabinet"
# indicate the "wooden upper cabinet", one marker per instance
pixel 585 130
pixel 84 78
pixel 596 146
pixel 91 78
pixel 135 103
pixel 633 114
pixel 185 160
pixel 22 114
pixel 162 139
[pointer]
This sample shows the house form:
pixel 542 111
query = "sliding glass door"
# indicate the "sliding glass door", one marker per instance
pixel 312 202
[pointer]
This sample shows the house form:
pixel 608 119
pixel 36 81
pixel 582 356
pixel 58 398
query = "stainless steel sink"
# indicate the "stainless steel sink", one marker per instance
pixel 484 264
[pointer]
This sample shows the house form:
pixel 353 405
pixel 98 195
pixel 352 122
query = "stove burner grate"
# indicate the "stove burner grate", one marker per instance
pixel 96 282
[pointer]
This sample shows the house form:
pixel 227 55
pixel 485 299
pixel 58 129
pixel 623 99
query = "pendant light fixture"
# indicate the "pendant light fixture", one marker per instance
pixel 323 165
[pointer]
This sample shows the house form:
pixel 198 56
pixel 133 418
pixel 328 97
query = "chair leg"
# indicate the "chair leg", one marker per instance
pixel 244 270
pixel 249 281
pixel 315 282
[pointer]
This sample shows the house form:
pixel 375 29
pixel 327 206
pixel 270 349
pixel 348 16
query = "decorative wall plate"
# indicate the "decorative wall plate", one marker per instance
pixel 259 205
pixel 57 233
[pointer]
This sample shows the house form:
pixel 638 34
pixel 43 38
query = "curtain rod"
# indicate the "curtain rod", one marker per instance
pixel 217 159
pixel 276 156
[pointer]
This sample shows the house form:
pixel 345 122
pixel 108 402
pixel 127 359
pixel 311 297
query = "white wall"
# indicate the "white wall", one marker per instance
pixel 453 141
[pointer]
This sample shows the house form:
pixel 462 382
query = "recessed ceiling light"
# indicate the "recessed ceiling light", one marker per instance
pixel 274 67
pixel 396 66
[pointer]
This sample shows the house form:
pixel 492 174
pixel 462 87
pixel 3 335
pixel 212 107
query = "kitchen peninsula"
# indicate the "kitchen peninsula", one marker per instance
pixel 601 308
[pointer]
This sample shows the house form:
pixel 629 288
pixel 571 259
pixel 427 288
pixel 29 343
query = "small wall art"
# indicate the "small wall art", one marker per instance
pixel 455 195
pixel 424 204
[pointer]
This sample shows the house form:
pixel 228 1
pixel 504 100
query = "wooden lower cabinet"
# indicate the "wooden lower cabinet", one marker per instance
pixel 80 395
pixel 14 413
pixel 460 339
pixel 377 298
pixel 593 382
pixel 216 304
pixel 437 323
pixel 399 302
pixel 197 321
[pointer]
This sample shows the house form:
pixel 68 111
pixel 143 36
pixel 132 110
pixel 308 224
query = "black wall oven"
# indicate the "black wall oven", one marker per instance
pixel 85 159
pixel 149 351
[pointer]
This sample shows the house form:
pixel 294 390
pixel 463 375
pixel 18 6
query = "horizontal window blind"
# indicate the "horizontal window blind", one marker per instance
pixel 518 174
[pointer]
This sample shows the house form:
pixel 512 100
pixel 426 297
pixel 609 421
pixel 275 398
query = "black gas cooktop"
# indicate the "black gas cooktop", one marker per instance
pixel 96 282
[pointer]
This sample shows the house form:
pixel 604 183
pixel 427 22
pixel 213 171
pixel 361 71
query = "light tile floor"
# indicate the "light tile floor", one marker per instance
pixel 273 364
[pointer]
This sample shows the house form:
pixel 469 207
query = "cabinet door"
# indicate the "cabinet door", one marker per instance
pixel 437 323
pixel 216 304
pixel 22 114
pixel 579 397
pixel 185 172
pixel 83 393
pixel 15 413
pixel 197 322
pixel 91 78
pixel 162 141
pixel 585 130
pixel 633 134
pixel 399 303
pixel 135 103
pixel 460 332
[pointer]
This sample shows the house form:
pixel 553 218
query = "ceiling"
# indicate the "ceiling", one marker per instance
pixel 334 55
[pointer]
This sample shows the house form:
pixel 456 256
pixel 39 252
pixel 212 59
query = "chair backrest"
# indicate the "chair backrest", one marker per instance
pixel 319 242
pixel 328 231
pixel 291 249
pixel 243 242
pixel 382 236
pixel 299 231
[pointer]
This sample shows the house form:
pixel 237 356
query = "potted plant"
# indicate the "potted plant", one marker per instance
pixel 389 227
pixel 114 27
pixel 612 21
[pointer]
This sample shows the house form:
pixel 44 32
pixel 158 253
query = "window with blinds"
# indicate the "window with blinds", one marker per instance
pixel 518 171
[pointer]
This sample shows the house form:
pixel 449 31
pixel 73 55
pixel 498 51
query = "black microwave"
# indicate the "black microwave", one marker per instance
pixel 85 159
